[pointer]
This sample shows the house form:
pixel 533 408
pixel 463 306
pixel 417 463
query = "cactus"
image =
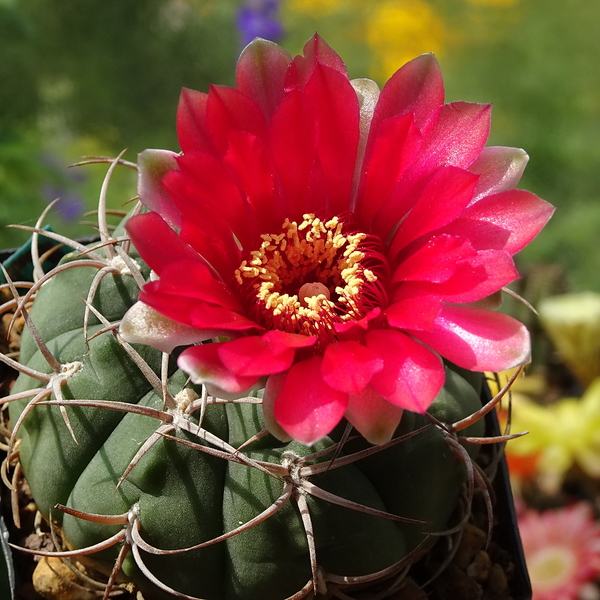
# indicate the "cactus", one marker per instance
pixel 320 445
pixel 188 494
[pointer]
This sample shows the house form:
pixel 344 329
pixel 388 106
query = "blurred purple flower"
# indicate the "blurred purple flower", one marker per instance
pixel 62 183
pixel 69 207
pixel 259 18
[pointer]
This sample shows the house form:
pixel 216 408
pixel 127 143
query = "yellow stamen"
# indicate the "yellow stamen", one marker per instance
pixel 290 280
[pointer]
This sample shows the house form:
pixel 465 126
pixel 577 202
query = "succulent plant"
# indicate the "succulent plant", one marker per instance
pixel 262 410
pixel 189 494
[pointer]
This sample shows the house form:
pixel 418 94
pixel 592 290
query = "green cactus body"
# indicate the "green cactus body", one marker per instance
pixel 184 496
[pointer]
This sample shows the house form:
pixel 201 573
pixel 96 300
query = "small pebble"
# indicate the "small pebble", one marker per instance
pixel 53 580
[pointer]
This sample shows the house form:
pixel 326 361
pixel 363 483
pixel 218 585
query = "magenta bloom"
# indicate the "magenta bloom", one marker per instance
pixel 562 550
pixel 332 240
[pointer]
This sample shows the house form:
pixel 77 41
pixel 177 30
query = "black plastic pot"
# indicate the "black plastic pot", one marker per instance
pixel 506 530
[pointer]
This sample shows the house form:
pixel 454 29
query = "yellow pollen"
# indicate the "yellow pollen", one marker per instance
pixel 290 280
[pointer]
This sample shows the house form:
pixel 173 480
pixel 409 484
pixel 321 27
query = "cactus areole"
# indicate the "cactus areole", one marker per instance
pixel 268 395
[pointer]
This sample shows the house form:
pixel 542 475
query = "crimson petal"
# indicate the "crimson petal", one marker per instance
pixel 204 366
pixel 294 141
pixel 260 73
pixel 145 229
pixel 418 312
pixel 195 279
pixel 394 148
pixel 349 366
pixel 211 195
pixel 229 110
pixel 217 247
pixel 250 161
pixel 254 356
pixel 337 117
pixel 316 52
pixel 485 274
pixel 415 88
pixel 306 407
pixel 435 260
pixel 412 375
pixel 443 199
pixel 191 122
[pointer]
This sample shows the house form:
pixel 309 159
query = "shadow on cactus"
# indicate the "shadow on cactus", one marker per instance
pixel 241 394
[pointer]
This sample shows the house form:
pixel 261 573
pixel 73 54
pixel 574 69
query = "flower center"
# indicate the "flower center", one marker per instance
pixel 312 275
pixel 551 567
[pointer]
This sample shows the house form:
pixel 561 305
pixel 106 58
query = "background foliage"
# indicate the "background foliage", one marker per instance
pixel 96 76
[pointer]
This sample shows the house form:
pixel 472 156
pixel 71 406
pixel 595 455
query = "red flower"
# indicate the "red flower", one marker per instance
pixel 333 238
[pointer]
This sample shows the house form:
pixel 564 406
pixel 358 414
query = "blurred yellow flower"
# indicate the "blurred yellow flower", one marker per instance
pixel 399 31
pixel 314 8
pixel 560 435
pixel 573 323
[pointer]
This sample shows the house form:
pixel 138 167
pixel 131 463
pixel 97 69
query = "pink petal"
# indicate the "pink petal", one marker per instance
pixel 203 364
pixel 191 122
pixel 145 229
pixel 253 356
pixel 229 110
pixel 443 199
pixel 372 416
pixel 272 389
pixel 500 169
pixel 316 52
pixel 337 117
pixel 485 274
pixel 141 324
pixel 414 313
pixel 415 88
pixel 505 221
pixel 355 330
pixel 412 375
pixel 349 366
pixel 260 73
pixel 434 261
pixel 478 340
pixel 152 167
pixel 455 138
pixel 280 341
pixel 306 407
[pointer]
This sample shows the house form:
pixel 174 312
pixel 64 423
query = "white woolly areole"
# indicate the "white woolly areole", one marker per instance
pixel 117 262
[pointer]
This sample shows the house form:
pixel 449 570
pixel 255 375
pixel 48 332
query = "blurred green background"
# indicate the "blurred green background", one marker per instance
pixel 88 77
